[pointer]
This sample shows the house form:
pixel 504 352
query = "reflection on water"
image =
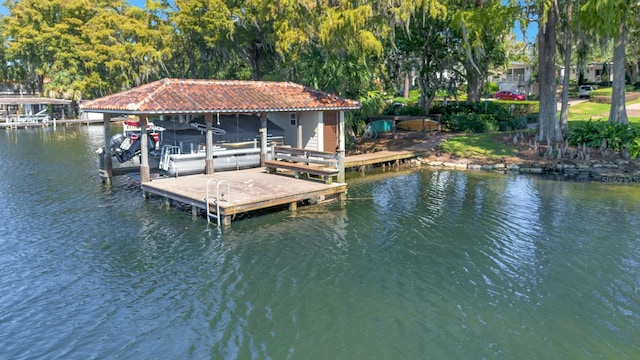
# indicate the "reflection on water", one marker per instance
pixel 417 264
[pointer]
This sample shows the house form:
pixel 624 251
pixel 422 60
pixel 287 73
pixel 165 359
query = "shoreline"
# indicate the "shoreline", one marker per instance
pixel 615 172
pixel 586 165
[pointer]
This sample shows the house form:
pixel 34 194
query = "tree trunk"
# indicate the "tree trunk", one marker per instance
pixel 428 94
pixel 564 113
pixel 255 53
pixel 634 71
pixel 548 124
pixel 423 91
pixel 407 86
pixel 474 85
pixel 618 112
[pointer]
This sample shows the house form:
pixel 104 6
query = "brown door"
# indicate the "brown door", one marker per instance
pixel 330 119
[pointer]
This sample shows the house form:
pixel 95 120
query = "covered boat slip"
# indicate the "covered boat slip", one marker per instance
pixel 31 111
pixel 311 120
pixel 316 117
pixel 226 194
pixel 230 131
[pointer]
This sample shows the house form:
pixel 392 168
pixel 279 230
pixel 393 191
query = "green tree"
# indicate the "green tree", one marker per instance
pixel 267 33
pixel 30 28
pixel 84 48
pixel 565 46
pixel 122 48
pixel 343 52
pixel 482 26
pixel 548 124
pixel 201 27
pixel 428 44
pixel 609 18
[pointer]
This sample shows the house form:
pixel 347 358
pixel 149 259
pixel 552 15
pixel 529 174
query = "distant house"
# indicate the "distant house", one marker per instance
pixel 517 77
pixel 32 108
pixel 596 72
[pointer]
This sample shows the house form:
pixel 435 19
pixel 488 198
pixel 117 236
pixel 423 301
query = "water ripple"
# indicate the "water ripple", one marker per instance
pixel 442 263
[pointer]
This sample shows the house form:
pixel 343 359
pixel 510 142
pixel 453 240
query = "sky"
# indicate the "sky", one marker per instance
pixel 532 32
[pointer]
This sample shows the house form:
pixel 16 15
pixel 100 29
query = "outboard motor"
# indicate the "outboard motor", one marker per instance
pixel 116 140
pixel 123 148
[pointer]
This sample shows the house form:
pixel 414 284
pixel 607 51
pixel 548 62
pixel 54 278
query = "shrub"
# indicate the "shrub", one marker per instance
pixel 533 118
pixel 413 110
pixel 482 107
pixel 401 109
pixel 585 133
pixel 603 95
pixel 490 87
pixel 618 136
pixel 634 148
pixel 518 123
pixel 486 116
pixel 474 123
pixel 590 133
pixel 520 108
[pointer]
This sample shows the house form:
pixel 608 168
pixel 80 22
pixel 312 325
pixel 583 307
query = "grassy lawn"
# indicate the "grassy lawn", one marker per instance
pixel 589 110
pixel 484 146
pixel 478 146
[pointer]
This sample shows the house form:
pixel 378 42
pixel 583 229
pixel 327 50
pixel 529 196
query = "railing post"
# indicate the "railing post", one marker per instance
pixel 208 160
pixel 108 164
pixel 145 173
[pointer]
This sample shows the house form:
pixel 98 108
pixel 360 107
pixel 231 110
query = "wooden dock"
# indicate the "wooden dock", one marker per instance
pixel 40 124
pixel 248 190
pixel 380 157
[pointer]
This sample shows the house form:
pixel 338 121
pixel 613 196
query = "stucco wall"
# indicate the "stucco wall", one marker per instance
pixel 310 122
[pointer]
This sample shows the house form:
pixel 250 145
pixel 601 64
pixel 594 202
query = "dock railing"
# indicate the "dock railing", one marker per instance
pixel 303 161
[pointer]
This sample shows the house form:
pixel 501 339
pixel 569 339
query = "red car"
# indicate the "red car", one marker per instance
pixel 510 95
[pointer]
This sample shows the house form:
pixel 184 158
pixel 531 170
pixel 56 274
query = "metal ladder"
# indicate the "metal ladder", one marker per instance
pixel 167 151
pixel 217 199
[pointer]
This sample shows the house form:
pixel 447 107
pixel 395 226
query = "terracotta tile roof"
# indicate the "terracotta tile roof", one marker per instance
pixel 213 96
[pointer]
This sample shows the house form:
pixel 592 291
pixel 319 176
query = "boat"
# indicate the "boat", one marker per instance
pixel 180 145
pixel 382 125
pixel 173 163
pixel 419 125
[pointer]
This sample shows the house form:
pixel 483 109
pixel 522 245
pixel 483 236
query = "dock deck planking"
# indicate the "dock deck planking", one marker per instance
pixel 255 189
pixel 378 157
pixel 249 190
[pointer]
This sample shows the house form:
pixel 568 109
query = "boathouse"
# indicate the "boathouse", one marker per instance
pixel 311 119
pixel 17 109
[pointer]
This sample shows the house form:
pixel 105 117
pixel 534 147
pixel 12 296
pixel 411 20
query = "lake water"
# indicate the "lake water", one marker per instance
pixel 417 265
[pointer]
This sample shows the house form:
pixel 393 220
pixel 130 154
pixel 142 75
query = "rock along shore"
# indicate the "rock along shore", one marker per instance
pixel 611 172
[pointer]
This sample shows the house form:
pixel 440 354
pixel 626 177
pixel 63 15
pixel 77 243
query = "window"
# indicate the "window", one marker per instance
pixel 293 119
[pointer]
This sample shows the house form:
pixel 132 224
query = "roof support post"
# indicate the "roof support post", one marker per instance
pixel 107 173
pixel 341 147
pixel 145 173
pixel 319 130
pixel 299 144
pixel 208 162
pixel 263 138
